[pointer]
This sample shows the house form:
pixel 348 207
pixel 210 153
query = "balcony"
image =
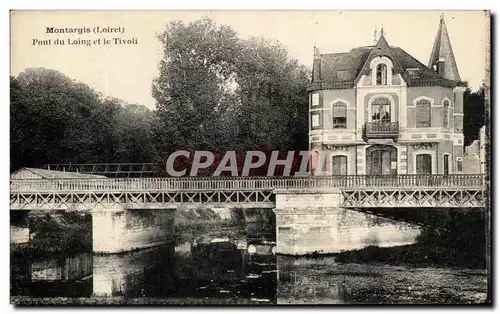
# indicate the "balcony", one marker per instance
pixel 381 130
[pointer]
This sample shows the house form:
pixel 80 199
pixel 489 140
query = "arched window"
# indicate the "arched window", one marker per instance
pixel 381 74
pixel 339 115
pixel 446 114
pixel 424 164
pixel 381 110
pixel 423 113
pixel 339 165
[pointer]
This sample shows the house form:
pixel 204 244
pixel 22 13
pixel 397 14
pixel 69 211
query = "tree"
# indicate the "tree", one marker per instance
pixel 474 114
pixel 57 120
pixel 50 119
pixel 273 97
pixel 190 90
pixel 216 91
pixel 135 137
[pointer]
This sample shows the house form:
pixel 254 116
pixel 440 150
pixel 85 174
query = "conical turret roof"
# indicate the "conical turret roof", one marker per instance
pixel 442 51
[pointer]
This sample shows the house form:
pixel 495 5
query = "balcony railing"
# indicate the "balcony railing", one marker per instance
pixel 374 130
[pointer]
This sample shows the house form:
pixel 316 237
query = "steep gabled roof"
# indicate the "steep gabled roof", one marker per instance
pixel 343 66
pixel 343 70
pixel 442 51
pixel 382 48
pixel 425 74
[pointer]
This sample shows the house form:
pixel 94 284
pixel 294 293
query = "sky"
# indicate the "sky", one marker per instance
pixel 127 71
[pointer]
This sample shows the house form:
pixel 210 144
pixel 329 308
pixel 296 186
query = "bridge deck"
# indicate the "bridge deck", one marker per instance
pixel 247 183
pixel 245 192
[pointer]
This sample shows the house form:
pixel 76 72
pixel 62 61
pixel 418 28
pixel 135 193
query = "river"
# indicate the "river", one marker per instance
pixel 322 280
pixel 236 264
pixel 222 269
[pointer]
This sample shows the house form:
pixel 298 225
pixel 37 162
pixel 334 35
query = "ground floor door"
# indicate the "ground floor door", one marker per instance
pixel 446 164
pixel 339 165
pixel 424 164
pixel 381 160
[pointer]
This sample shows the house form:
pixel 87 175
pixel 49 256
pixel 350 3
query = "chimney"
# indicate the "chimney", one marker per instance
pixel 316 65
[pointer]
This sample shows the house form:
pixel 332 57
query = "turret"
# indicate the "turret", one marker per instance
pixel 442 59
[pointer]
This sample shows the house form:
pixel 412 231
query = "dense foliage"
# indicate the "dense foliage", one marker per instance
pixel 218 92
pixel 57 120
pixel 474 114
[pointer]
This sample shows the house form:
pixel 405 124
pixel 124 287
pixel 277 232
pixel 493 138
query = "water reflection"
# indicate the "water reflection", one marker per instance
pixel 207 268
pixel 62 276
pixel 64 269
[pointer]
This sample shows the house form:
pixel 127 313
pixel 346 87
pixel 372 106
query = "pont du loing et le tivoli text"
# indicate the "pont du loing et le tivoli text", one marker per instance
pixel 85 36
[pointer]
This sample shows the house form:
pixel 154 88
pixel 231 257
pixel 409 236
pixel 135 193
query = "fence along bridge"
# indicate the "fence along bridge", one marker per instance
pixel 445 191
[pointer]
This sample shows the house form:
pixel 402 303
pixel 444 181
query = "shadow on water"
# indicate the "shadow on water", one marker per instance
pixel 45 277
pixel 463 245
pixel 211 265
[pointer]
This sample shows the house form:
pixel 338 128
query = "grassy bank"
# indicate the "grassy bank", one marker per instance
pixel 54 235
pixel 190 225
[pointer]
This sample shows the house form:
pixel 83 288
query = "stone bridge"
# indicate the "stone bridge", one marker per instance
pixel 324 213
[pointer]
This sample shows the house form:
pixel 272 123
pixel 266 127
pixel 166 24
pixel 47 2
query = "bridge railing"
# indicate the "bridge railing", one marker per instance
pixel 245 183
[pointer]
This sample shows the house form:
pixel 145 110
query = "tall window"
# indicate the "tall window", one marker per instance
pixel 315 100
pixel 423 113
pixel 459 165
pixel 339 114
pixel 381 110
pixel 381 74
pixel 315 120
pixel 446 164
pixel 424 164
pixel 339 165
pixel 446 114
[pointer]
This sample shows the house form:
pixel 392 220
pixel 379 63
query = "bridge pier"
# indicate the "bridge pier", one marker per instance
pixel 312 221
pixel 118 230
pixel 19 227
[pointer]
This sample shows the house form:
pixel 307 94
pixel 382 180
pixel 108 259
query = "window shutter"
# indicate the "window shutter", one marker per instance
pixel 339 110
pixel 423 113
pixel 446 112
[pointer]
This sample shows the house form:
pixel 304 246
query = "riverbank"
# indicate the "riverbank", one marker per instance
pixel 325 281
pixel 441 268
pixel 22 301
pixel 56 234
pixel 192 225
pixel 415 255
